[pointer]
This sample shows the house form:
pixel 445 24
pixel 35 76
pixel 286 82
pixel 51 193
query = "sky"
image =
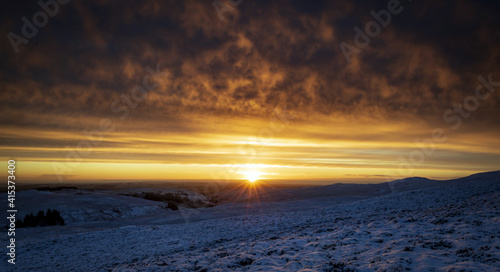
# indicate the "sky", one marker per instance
pixel 311 92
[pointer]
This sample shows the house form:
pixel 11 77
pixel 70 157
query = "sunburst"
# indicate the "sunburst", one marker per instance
pixel 252 175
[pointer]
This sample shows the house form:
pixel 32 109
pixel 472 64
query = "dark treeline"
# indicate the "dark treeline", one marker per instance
pixel 174 200
pixel 51 218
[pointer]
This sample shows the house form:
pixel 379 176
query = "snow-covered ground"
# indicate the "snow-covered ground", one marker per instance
pixel 84 206
pixel 446 226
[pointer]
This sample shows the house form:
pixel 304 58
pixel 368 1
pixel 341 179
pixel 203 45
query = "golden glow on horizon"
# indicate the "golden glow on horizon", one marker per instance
pixel 305 152
pixel 29 172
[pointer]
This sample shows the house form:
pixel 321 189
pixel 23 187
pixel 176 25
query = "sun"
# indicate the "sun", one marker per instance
pixel 252 175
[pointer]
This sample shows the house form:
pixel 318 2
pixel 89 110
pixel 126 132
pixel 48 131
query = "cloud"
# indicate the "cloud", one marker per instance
pixel 263 56
pixel 267 51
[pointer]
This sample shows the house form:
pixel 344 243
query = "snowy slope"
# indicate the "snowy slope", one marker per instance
pixel 100 205
pixel 343 189
pixel 452 226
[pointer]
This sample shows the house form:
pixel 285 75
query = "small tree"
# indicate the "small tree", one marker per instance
pixel 172 206
pixel 51 218
pixel 19 223
pixel 41 219
pixel 29 220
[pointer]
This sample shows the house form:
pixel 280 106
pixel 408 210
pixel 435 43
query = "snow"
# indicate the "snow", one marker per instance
pixel 77 206
pixel 443 226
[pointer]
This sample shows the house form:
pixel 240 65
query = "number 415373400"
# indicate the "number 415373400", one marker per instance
pixel 11 184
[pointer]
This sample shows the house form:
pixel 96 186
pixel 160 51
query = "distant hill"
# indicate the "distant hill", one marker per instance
pixel 347 189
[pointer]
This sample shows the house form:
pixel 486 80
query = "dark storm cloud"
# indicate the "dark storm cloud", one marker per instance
pixel 262 55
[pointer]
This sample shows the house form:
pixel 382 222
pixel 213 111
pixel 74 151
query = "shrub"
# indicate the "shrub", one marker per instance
pixel 172 206
pixel 51 218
